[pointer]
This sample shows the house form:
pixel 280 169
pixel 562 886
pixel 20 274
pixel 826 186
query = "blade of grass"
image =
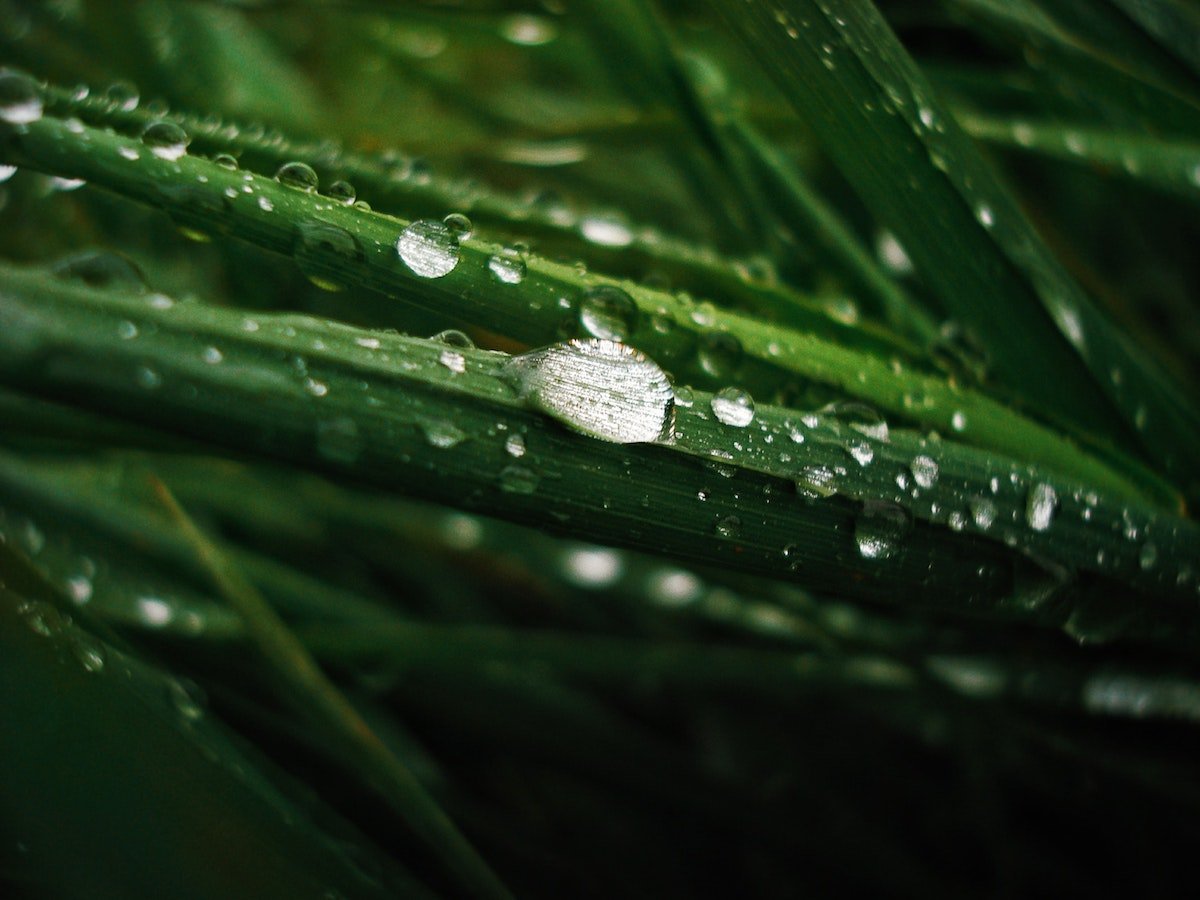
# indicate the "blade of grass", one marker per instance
pixel 851 79
pixel 412 417
pixel 682 336
pixel 320 698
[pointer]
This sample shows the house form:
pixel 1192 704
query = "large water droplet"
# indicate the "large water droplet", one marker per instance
pixel 20 98
pixel 165 139
pixel 343 192
pixel 1040 505
pixel 879 530
pixel 459 226
pixel 733 406
pixel 608 312
pixel 298 175
pixel 429 248
pixel 596 387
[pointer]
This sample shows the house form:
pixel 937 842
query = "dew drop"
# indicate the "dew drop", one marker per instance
pixel 226 161
pixel 728 526
pixel 719 353
pixel 608 312
pixel 816 481
pixel 165 139
pixel 452 337
pixel 733 406
pixel 89 654
pixel 20 98
pixel 597 387
pixel 862 452
pixel 428 248
pixel 985 216
pixel 459 226
pixel 606 230
pixel 123 96
pixel 983 512
pixel 924 471
pixel 518 480
pixel 212 355
pixel 879 530
pixel 186 699
pixel 298 175
pixel 454 361
pixel 1040 505
pixel 323 250
pixel 443 435
pixel 343 192
pixel 515 446
pixel 507 267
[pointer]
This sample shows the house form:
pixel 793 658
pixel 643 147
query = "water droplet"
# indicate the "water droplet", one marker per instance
pixel 1040 505
pixel 154 611
pixel 20 98
pixel 212 355
pixel 265 204
pixel 459 226
pixel 165 139
pixel 507 267
pixel 89 653
pixel 606 230
pixel 515 446
pixel 728 526
pixel 315 387
pixel 733 406
pixel 924 471
pixel 42 618
pixel 298 175
pixel 126 330
pixel 527 30
pixel 879 530
pixel 148 378
pixel 322 251
pixel 593 567
pixel 1148 557
pixel 443 435
pixel 608 312
pixel 454 338
pixel 958 421
pixel 79 588
pixel 816 481
pixel 123 95
pixel 226 161
pixel 428 248
pixel 7 172
pixel 102 269
pixel 343 192
pixel 454 361
pixel 985 216
pixel 597 387
pixel 983 512
pixel 518 480
pixel 720 353
pixel 187 699
pixel 862 452
pixel 892 253
pixel 684 396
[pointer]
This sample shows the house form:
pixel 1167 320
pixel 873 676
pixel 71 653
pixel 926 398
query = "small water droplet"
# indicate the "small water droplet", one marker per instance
pixel 148 378
pixel 527 30
pixel 728 526
pixel 90 654
pixel 593 567
pixel 315 387
pixel 608 312
pixel 984 214
pixel 597 387
pixel 1148 556
pixel 459 226
pixel 226 161
pixel 733 406
pixel 165 139
pixel 212 355
pixel 518 480
pixel 187 700
pixel 298 175
pixel 443 435
pixel 719 353
pixel 983 512
pixel 454 338
pixel 20 98
pixel 428 248
pixel 606 230
pixel 862 452
pixel 507 267
pixel 515 446
pixel 343 192
pixel 816 481
pixel 924 471
pixel 322 251
pixel 123 95
pixel 154 611
pixel 879 530
pixel 1040 506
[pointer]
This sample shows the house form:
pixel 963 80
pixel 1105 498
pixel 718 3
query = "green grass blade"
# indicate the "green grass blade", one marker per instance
pixel 402 414
pixel 850 78
pixel 357 247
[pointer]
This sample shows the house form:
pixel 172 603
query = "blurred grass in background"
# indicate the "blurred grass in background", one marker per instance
pixel 893 589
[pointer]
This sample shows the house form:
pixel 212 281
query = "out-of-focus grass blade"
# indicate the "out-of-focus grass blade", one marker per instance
pixel 847 74
pixel 128 788
pixel 1169 164
pixel 1174 25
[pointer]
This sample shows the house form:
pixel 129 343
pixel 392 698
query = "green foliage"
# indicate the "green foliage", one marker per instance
pixel 804 507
